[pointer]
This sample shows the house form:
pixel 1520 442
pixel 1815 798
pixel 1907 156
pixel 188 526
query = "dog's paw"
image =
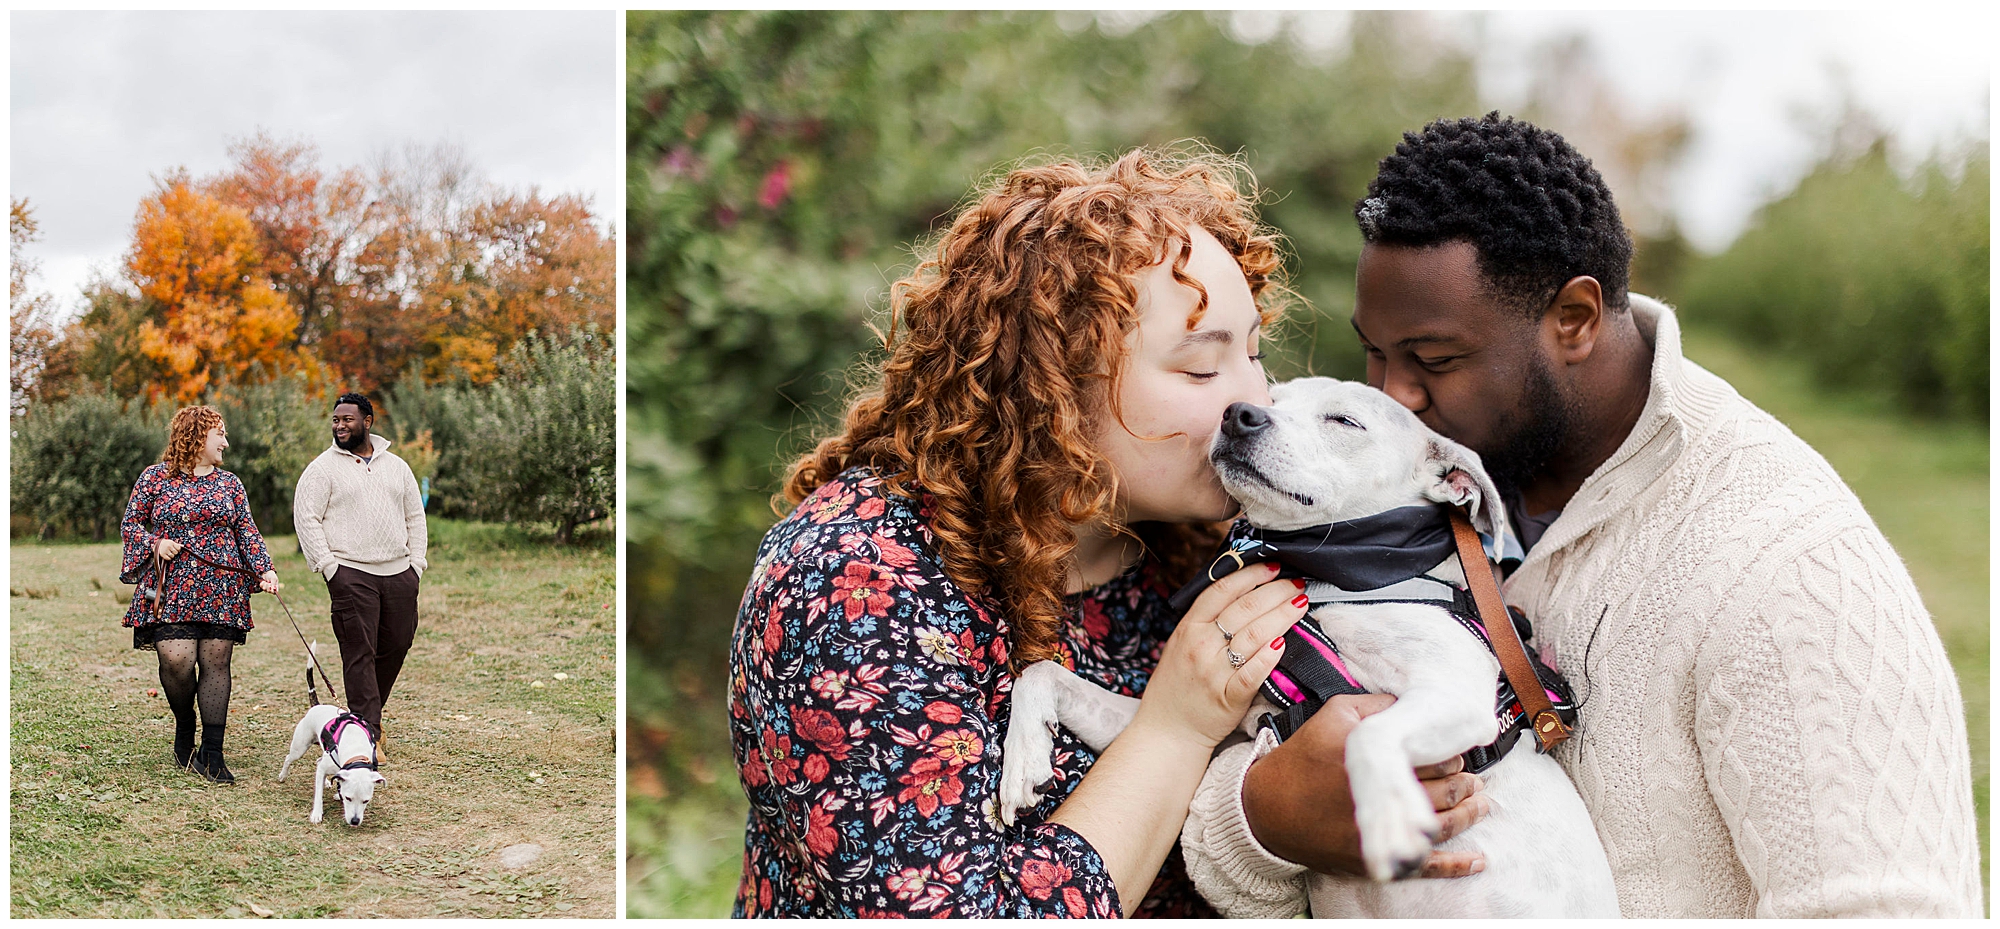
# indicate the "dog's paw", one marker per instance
pixel 315 817
pixel 1026 766
pixel 1397 835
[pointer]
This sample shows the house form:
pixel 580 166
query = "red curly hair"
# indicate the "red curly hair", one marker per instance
pixel 186 435
pixel 1011 351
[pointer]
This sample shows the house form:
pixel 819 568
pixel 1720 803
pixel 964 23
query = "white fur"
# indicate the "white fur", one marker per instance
pixel 1330 450
pixel 355 786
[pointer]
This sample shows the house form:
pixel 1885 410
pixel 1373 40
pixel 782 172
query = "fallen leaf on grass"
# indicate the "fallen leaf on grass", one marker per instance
pixel 261 912
pixel 538 684
pixel 561 676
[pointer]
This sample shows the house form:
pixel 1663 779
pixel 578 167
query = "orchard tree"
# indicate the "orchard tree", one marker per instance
pixel 198 262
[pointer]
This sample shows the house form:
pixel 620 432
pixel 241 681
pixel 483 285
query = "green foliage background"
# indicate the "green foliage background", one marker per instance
pixel 536 446
pixel 1879 281
pixel 782 166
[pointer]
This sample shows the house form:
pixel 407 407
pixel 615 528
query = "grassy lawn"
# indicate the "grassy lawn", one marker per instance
pixel 1926 485
pixel 479 759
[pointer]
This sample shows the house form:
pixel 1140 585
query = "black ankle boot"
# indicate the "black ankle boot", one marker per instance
pixel 208 762
pixel 183 738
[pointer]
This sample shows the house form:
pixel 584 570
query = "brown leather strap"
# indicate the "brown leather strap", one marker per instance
pixel 1548 727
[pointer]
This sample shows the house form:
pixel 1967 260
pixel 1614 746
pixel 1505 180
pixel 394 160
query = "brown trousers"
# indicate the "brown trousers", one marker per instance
pixel 375 620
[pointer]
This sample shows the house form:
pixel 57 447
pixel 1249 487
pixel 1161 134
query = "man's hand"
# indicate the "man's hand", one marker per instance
pixel 1299 808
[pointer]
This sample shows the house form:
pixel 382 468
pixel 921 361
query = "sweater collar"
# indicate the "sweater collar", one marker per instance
pixel 1679 397
pixel 378 446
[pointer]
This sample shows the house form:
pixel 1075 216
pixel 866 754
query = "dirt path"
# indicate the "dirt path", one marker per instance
pixel 479 758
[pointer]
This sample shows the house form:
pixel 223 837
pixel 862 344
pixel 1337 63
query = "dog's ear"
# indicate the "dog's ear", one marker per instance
pixel 1452 474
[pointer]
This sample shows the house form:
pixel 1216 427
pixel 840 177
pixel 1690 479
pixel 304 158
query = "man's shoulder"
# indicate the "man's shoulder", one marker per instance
pixel 1760 491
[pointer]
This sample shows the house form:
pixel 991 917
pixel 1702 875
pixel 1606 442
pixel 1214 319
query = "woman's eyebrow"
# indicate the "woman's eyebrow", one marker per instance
pixel 1205 336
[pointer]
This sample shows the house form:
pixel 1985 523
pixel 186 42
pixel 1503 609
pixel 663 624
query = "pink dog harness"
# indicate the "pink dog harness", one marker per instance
pixel 329 739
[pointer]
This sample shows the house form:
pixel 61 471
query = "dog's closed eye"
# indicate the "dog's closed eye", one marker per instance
pixel 1343 420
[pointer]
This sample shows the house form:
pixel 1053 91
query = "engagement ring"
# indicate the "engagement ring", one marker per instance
pixel 1235 660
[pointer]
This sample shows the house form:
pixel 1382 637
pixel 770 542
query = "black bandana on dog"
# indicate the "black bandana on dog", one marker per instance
pixel 1356 554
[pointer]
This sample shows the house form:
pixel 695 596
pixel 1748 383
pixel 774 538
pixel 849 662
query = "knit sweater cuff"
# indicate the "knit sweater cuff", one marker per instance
pixel 1228 865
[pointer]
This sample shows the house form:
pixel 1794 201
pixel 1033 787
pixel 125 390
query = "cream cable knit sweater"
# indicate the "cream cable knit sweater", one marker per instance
pixel 1769 725
pixel 368 515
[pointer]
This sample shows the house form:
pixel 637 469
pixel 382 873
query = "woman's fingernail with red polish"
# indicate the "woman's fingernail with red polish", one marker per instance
pixel 1299 600
pixel 1274 566
pixel 1301 582
pixel 1278 642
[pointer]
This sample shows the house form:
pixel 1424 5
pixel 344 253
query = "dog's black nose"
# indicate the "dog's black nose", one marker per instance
pixel 1242 419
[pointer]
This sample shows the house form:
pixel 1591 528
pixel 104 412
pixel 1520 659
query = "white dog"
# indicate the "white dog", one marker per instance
pixel 347 755
pixel 1330 451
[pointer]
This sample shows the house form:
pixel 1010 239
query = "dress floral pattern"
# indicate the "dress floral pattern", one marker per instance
pixel 868 701
pixel 210 515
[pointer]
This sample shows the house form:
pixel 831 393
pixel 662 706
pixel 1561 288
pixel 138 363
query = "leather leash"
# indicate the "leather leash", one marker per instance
pixel 1548 726
pixel 161 586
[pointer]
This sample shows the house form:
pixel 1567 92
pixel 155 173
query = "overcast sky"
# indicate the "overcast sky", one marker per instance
pixel 104 102
pixel 1743 78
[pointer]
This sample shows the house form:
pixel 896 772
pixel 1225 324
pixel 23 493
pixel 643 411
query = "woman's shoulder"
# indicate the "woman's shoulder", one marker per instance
pixel 154 473
pixel 856 502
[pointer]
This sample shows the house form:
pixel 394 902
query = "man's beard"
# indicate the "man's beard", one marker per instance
pixel 1538 428
pixel 357 441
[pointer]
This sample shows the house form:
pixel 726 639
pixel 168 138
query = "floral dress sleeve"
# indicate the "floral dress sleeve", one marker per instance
pixel 863 694
pixel 134 527
pixel 248 539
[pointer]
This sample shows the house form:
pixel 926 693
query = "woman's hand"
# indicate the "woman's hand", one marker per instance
pixel 167 548
pixel 269 581
pixel 1298 806
pixel 1195 691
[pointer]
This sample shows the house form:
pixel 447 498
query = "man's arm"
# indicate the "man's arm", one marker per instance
pixel 1832 737
pixel 1267 812
pixel 309 502
pixel 413 520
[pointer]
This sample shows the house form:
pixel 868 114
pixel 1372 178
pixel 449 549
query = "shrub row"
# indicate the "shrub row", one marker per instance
pixel 1878 280
pixel 536 446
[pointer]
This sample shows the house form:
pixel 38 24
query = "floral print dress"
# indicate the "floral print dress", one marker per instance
pixel 868 702
pixel 210 516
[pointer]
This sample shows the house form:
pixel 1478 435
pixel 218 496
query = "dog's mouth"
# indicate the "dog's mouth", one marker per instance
pixel 1231 466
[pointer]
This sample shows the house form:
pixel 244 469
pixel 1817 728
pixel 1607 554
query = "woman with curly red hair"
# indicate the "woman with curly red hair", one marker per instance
pixel 193 619
pixel 1028 480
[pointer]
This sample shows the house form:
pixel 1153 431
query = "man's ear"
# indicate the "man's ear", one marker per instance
pixel 1576 318
pixel 1452 474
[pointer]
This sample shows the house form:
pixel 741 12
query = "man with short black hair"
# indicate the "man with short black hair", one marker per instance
pixel 1768 722
pixel 360 519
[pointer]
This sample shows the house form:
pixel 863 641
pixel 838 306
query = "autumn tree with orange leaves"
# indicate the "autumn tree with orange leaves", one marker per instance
pixel 198 261
pixel 353 277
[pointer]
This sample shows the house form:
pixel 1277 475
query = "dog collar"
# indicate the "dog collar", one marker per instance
pixel 1372 559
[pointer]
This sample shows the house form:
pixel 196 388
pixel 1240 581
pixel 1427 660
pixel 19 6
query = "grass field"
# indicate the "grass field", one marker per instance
pixel 1925 483
pixel 479 758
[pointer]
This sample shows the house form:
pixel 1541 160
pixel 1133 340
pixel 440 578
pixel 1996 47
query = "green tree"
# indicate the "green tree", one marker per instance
pixel 539 443
pixel 1879 280
pixel 277 426
pixel 74 462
